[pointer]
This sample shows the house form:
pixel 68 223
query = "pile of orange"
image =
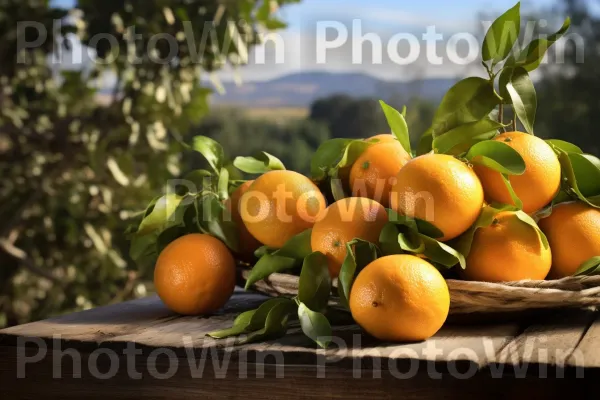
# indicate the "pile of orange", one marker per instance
pixel 398 297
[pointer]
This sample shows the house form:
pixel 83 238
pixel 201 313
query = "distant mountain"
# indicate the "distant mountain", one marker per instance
pixel 301 89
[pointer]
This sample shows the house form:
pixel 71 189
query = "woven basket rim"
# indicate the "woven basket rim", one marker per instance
pixel 481 297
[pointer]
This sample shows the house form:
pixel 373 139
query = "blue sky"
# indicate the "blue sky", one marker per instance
pixel 382 17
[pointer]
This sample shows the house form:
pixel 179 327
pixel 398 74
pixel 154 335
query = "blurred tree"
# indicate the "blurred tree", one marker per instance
pixel 293 142
pixel 568 102
pixel 75 169
pixel 348 117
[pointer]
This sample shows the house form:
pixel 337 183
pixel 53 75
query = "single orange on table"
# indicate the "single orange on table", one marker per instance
pixel 195 274
pixel 400 298
pixel 573 230
pixel 374 171
pixel 537 186
pixel 279 205
pixel 441 190
pixel 344 220
pixel 507 250
pixel 247 243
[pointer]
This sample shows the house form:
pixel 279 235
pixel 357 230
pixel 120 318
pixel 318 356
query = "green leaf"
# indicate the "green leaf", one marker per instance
pixel 503 80
pixel 297 247
pixel 213 218
pixel 523 96
pixel 160 214
pixel 524 217
pixel 289 256
pixel 261 251
pixel 590 267
pixel 143 247
pixel 240 325
pixel 201 178
pixel 275 323
pixel 397 124
pixel 410 241
pixel 442 253
pixel 359 254
pixel 315 283
pixel 267 265
pixel 211 150
pixel 459 139
pixel 353 150
pixel 565 146
pixel 425 142
pixel 388 240
pixel 531 57
pixel 169 235
pixel 587 173
pixel 269 319
pixel 337 187
pixel 326 157
pixel 485 219
pixel 502 35
pixel 314 325
pixel 223 186
pixel 469 100
pixel 571 176
pixel 511 191
pixel 259 164
pixel 498 156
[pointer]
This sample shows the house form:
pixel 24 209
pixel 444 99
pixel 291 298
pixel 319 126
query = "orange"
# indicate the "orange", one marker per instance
pixel 247 243
pixel 344 220
pixel 440 189
pixel 573 230
pixel 195 274
pixel 540 182
pixel 344 173
pixel 280 205
pixel 507 250
pixel 400 298
pixel 373 172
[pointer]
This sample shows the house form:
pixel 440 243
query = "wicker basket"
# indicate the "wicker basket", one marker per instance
pixel 468 297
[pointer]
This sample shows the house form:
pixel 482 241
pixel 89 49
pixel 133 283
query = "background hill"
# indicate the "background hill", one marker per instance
pixel 302 89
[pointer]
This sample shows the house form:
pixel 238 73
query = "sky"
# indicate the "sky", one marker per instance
pixel 384 18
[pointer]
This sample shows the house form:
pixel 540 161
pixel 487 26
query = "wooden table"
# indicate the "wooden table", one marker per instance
pixel 139 349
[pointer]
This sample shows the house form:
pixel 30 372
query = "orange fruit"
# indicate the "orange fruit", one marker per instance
pixel 573 230
pixel 344 220
pixel 195 274
pixel 247 243
pixel 440 189
pixel 373 171
pixel 507 250
pixel 400 298
pixel 540 182
pixel 280 205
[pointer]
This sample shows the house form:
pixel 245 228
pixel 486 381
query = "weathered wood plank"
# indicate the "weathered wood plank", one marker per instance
pixel 261 382
pixel 146 322
pixel 587 352
pixel 549 341
pixel 127 319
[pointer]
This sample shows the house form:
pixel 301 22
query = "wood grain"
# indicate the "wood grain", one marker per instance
pixel 587 352
pixel 548 341
pixel 550 338
pixel 268 382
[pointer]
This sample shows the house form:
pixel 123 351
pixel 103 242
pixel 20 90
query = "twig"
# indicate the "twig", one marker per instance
pixel 514 124
pixel 20 255
pixel 501 114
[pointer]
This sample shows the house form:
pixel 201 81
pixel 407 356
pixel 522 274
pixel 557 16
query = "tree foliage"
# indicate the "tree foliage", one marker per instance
pixel 569 107
pixel 74 169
